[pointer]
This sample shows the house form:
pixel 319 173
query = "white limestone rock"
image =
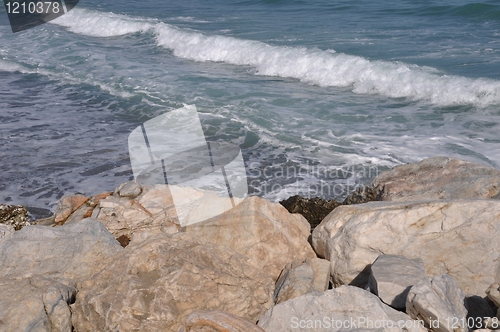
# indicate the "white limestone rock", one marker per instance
pixel 392 276
pixel 298 279
pixel 154 285
pixel 341 309
pixel 439 303
pixel 460 238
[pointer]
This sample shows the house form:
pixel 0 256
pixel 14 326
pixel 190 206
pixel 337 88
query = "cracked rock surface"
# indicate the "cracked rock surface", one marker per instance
pixel 156 284
pixel 35 304
pixel 460 238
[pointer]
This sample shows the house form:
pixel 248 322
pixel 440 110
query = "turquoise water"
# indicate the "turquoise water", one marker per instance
pixel 318 94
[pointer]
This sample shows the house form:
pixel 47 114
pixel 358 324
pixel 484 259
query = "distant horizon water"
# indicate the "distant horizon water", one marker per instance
pixel 320 96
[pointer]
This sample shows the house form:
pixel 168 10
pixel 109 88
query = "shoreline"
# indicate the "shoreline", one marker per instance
pixel 389 250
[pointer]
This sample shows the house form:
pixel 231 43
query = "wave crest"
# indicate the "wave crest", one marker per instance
pixel 318 67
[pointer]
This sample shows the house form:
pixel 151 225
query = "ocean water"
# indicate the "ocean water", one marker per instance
pixel 321 96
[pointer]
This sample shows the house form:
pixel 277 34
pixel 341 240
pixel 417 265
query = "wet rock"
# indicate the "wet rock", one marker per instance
pixel 156 284
pixel 392 276
pixel 217 321
pixel 14 215
pixel 439 303
pixel 313 209
pixel 364 194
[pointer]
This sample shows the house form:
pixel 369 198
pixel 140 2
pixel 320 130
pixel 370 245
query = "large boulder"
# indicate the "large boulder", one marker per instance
pixel 439 303
pixel 68 253
pixel 460 238
pixel 298 279
pixel 14 215
pixel 35 304
pixel 432 178
pixel 392 276
pixel 341 309
pixel 154 285
pixel 263 231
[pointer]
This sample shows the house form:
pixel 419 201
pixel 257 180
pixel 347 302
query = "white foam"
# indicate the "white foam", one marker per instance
pixel 313 66
pixel 325 68
pixel 63 77
pixel 100 24
pixel 10 66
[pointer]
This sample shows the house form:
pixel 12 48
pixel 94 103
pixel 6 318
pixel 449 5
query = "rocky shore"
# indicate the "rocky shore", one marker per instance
pixel 416 250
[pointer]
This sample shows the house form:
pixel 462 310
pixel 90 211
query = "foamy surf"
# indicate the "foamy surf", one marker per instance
pixel 312 66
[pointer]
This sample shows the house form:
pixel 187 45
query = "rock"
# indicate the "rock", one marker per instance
pixel 460 238
pixel 129 189
pixel 313 209
pixel 129 218
pixel 67 253
pixel 14 215
pixel 263 231
pixel 66 206
pixel 94 200
pixel 154 285
pixel 298 279
pixel 321 270
pixel 35 304
pixel 341 309
pixel 50 221
pixel 83 212
pixel 6 231
pixel 439 303
pixel 433 178
pixel 493 292
pixel 217 321
pixel 391 278
pixel 364 194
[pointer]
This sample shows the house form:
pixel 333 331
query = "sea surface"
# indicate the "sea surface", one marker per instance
pixel 320 95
